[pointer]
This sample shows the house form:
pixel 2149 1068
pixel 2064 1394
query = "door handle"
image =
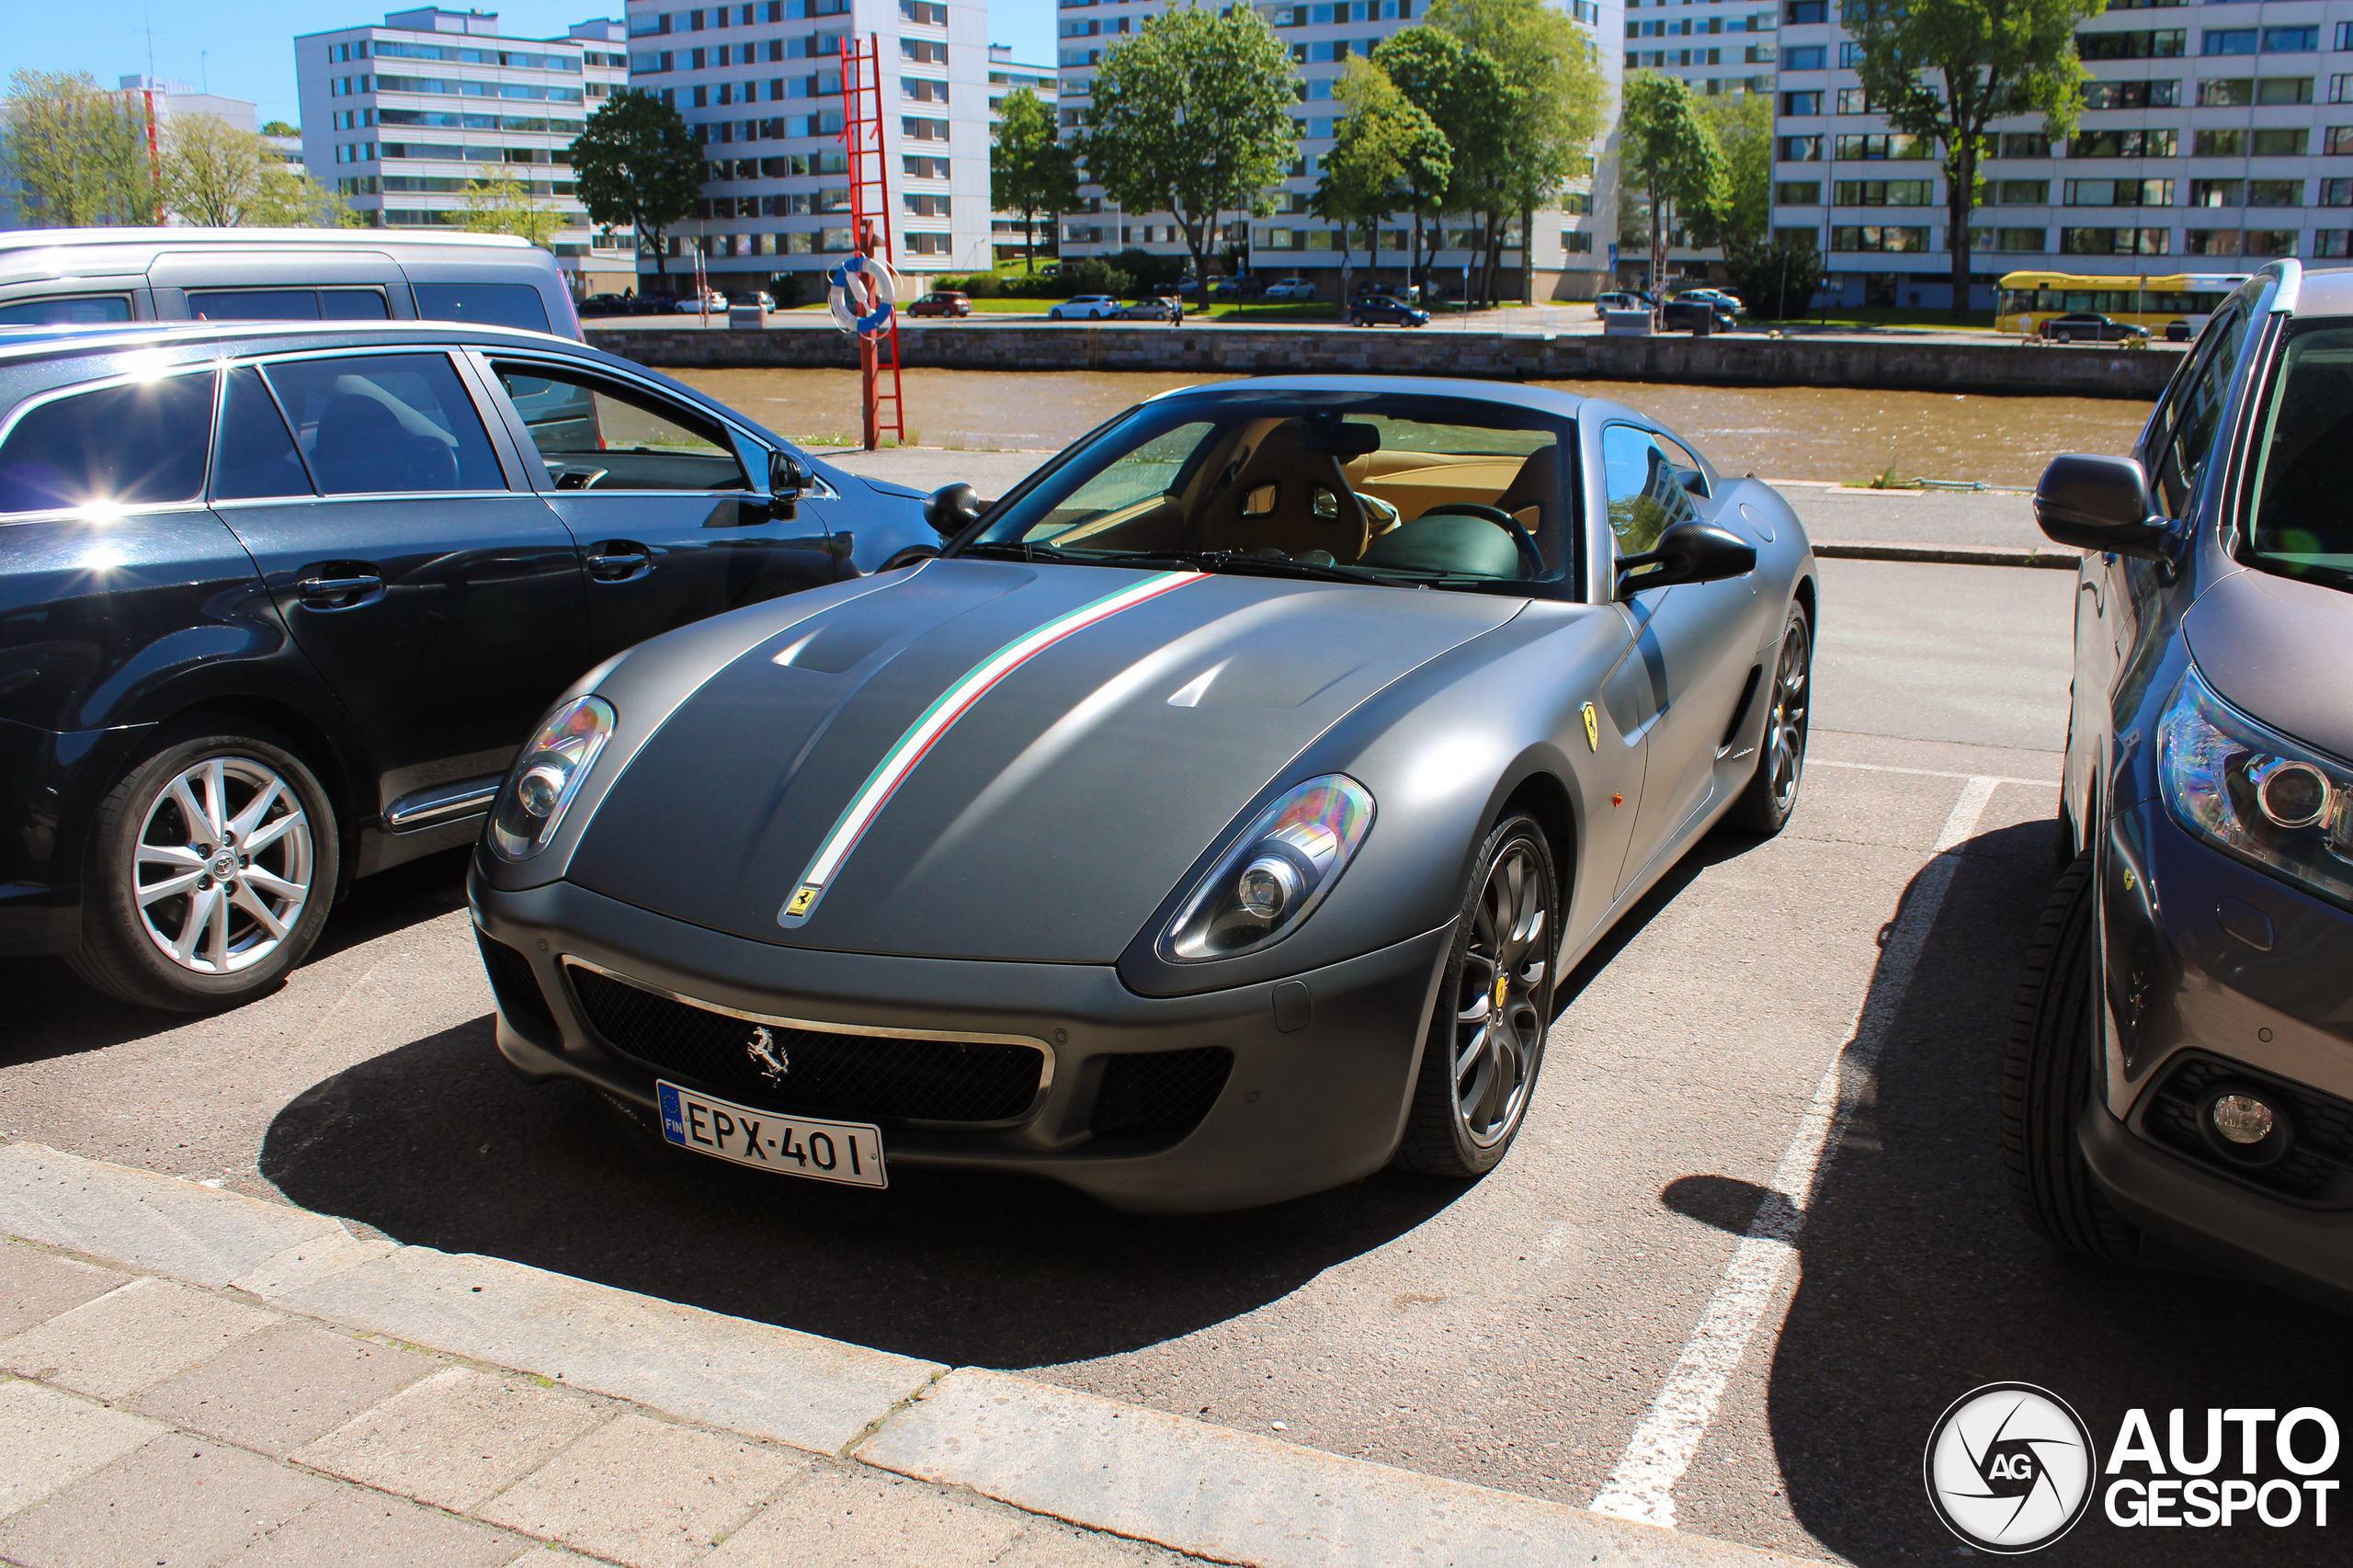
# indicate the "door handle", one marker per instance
pixel 619 560
pixel 338 593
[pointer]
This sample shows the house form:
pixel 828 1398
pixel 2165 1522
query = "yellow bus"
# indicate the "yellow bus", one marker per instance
pixel 2174 306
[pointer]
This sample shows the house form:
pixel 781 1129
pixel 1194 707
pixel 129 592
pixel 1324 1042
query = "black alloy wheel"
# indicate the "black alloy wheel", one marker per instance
pixel 1486 1037
pixel 1772 796
pixel 2047 1069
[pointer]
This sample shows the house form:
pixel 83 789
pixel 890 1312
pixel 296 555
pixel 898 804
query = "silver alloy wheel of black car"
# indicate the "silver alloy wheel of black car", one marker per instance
pixel 223 865
pixel 1486 1040
pixel 1772 794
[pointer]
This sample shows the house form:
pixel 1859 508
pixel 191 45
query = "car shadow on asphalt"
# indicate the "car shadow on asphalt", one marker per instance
pixel 436 1143
pixel 1919 1282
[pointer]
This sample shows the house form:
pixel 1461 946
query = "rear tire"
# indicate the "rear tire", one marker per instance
pixel 1480 1059
pixel 1771 797
pixel 213 865
pixel 2047 1081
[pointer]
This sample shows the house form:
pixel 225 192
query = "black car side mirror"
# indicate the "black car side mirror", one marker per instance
pixel 787 479
pixel 2099 503
pixel 950 509
pixel 1689 552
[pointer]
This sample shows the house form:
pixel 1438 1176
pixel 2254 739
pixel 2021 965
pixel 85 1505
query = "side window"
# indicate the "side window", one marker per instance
pixel 69 310
pixel 1644 493
pixel 141 445
pixel 598 435
pixel 2199 418
pixel 495 305
pixel 1687 469
pixel 287 305
pixel 257 458
pixel 385 423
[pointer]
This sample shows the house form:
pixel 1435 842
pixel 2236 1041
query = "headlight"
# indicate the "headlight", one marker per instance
pixel 1277 871
pixel 2258 794
pixel 547 775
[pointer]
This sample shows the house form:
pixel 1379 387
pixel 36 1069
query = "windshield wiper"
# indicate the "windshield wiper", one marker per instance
pixel 1020 550
pixel 1277 566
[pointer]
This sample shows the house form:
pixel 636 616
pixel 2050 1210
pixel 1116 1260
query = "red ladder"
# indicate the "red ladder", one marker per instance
pixel 869 222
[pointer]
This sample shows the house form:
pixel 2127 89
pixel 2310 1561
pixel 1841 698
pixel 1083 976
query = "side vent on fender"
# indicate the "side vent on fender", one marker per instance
pixel 1740 709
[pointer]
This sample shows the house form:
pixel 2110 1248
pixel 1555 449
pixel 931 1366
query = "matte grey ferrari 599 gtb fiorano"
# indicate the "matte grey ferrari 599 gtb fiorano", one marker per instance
pixel 1207 826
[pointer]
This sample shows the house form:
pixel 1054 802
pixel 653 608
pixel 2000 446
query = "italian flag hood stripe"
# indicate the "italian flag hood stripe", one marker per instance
pixel 937 721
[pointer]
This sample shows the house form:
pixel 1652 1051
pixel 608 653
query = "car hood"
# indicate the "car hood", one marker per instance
pixel 2282 651
pixel 1060 805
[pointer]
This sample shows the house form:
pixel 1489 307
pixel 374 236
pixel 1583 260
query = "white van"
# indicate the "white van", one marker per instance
pixel 75 276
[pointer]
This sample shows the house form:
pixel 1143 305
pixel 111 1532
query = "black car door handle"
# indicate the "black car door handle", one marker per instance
pixel 336 592
pixel 619 560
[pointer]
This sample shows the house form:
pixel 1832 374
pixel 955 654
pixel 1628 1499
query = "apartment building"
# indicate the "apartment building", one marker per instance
pixel 2213 137
pixel 400 118
pixel 1572 250
pixel 1008 75
pixel 761 86
pixel 1717 48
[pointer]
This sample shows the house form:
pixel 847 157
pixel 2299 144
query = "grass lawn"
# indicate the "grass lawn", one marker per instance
pixel 1889 315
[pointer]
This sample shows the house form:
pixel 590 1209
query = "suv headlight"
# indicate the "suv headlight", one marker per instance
pixel 2256 794
pixel 547 774
pixel 1277 871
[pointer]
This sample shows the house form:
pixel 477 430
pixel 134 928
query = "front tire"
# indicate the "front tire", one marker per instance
pixel 2047 1080
pixel 1771 797
pixel 213 865
pixel 1494 1003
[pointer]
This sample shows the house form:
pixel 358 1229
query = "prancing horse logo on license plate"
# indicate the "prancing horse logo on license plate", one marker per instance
pixel 771 1058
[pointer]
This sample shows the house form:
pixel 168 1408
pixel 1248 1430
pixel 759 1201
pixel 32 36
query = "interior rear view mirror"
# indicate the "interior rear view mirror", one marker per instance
pixel 950 509
pixel 1329 434
pixel 2099 503
pixel 1687 552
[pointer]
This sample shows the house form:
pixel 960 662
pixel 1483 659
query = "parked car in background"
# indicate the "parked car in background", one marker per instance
pixel 1187 286
pixel 1410 293
pixel 1086 307
pixel 1687 313
pixel 606 306
pixel 1715 296
pixel 1153 308
pixel 2179 1069
pixel 1248 286
pixel 1374 309
pixel 1291 289
pixel 652 305
pixel 1620 300
pixel 86 277
pixel 696 304
pixel 942 302
pixel 2085 326
pixel 278 603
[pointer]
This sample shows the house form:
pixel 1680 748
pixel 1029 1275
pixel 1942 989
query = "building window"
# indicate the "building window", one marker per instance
pixel 2135 95
pixel 1576 242
pixel 2158 143
pixel 2166 44
pixel 2027 240
pixel 1854 100
pixel 2333 242
pixel 1806 57
pixel 926 244
pixel 2113 241
pixel 2275 193
pixel 1884 193
pixel 2287 141
pixel 1808 149
pixel 1798 13
pixel 2228 40
pixel 2217 193
pixel 1875 237
pixel 1798 193
pixel 1850 56
pixel 2025 144
pixel 2338 141
pixel 2291 40
pixel 2336 193
pixel 2021 193
pixel 2219 144
pixel 2210 241
pixel 1870 148
pixel 1799 105
pixel 2120 193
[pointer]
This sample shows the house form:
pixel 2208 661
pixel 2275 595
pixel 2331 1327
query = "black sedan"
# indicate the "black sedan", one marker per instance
pixel 1208 826
pixel 2180 1078
pixel 277 605
pixel 1373 310
pixel 2085 326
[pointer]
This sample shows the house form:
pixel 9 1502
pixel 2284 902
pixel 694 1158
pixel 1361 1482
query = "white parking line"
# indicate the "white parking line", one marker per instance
pixel 1643 1486
pixel 1927 772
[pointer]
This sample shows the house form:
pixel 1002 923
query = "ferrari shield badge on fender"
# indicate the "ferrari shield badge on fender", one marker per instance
pixel 1592 729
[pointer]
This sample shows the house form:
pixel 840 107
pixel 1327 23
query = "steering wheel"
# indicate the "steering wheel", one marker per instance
pixel 1531 559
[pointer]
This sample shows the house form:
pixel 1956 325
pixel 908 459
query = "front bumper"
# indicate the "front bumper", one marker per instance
pixel 1316 1096
pixel 2216 975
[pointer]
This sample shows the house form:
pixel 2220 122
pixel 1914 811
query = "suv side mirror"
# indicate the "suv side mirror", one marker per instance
pixel 787 479
pixel 950 509
pixel 1691 552
pixel 2099 503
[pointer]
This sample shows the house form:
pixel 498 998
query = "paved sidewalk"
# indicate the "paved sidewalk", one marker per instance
pixel 191 1377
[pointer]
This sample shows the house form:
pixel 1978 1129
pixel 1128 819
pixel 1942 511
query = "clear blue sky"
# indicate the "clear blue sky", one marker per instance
pixel 245 48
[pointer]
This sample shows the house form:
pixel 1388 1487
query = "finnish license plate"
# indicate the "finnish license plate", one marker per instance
pixel 847 1151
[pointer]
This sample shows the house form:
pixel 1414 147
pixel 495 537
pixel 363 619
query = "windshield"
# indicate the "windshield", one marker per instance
pixel 2301 520
pixel 1378 486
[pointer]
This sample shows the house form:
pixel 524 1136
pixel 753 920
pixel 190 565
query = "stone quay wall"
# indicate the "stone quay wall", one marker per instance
pixel 1890 364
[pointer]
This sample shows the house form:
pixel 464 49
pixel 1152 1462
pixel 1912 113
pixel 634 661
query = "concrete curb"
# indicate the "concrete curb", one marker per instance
pixel 1143 1473
pixel 2056 558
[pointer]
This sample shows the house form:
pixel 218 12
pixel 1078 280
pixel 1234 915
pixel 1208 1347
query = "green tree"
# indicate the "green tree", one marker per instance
pixel 1947 69
pixel 1463 92
pixel 218 176
pixel 500 202
pixel 1192 119
pixel 80 154
pixel 638 167
pixel 1556 109
pixel 1386 149
pixel 279 128
pixel 1777 280
pixel 1743 123
pixel 1667 150
pixel 1030 169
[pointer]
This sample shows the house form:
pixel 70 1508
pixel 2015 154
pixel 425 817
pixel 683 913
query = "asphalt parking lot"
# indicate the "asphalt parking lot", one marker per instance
pixel 1514 1332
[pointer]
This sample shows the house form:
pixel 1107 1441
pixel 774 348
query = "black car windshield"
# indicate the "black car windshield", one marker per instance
pixel 1403 488
pixel 2300 521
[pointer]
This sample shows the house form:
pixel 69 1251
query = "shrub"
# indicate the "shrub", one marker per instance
pixel 981 286
pixel 784 288
pixel 1147 270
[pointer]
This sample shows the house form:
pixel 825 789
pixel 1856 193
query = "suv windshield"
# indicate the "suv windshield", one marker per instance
pixel 2300 521
pixel 1374 486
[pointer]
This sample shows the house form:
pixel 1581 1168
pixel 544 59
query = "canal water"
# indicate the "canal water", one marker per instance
pixel 1835 434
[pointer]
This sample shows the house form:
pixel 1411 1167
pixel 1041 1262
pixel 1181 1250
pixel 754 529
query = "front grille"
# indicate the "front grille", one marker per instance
pixel 2317 1168
pixel 869 1077
pixel 1159 1091
pixel 515 984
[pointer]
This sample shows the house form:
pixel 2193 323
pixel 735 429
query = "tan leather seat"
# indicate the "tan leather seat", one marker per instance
pixel 1536 486
pixel 1289 523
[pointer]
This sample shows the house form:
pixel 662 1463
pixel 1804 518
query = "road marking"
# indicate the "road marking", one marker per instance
pixel 1928 772
pixel 1643 1486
